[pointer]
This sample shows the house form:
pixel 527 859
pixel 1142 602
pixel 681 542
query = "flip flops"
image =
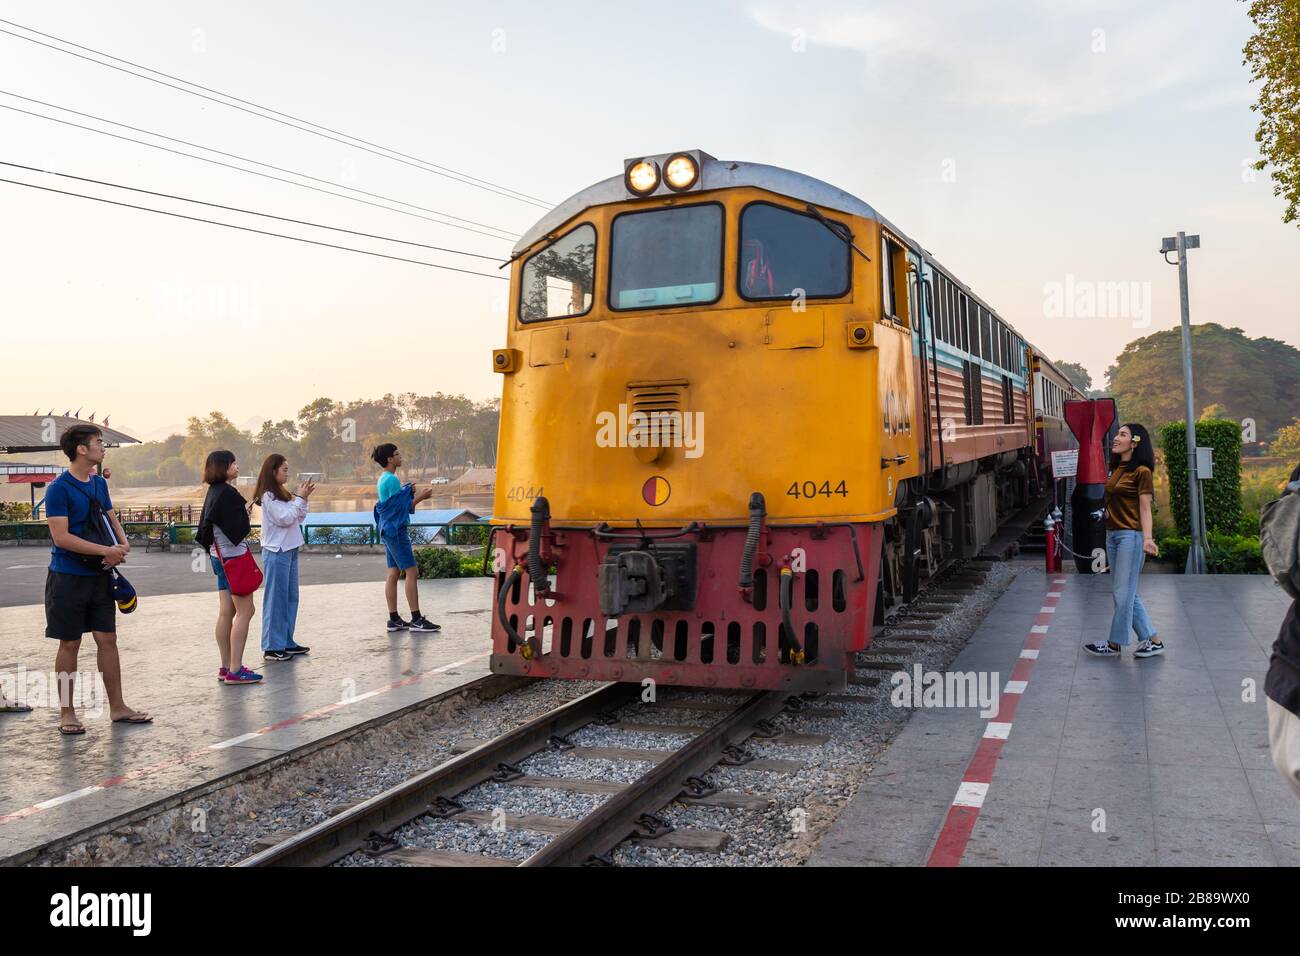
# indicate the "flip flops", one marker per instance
pixel 15 709
pixel 71 730
pixel 133 719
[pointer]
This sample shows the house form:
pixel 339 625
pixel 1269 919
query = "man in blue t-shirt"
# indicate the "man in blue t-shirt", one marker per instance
pixel 397 540
pixel 78 585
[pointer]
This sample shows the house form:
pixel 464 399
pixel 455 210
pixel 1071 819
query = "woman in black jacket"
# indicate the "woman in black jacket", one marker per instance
pixel 223 526
pixel 1282 687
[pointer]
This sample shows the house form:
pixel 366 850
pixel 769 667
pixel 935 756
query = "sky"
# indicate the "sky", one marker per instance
pixel 1039 150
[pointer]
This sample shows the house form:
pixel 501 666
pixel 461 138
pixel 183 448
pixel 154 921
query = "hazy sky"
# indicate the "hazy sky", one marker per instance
pixel 1035 148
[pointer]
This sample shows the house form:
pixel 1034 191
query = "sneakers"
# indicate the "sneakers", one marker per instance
pixel 421 623
pixel 1149 649
pixel 397 624
pixel 274 655
pixel 1101 649
pixel 296 649
pixel 242 676
pixel 221 675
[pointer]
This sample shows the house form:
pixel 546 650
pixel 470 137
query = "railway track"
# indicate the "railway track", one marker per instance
pixel 628 811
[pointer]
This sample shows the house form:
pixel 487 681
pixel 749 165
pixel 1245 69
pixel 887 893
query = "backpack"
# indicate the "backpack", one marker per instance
pixel 97 530
pixel 1279 539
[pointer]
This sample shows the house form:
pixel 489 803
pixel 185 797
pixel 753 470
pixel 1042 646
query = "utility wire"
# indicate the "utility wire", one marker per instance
pixel 54 119
pixel 250 212
pixel 260 232
pixel 418 163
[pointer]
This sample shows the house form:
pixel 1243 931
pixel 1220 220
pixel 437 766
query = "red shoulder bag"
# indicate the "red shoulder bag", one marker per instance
pixel 242 573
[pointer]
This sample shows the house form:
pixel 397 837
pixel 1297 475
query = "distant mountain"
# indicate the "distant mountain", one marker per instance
pixel 1250 378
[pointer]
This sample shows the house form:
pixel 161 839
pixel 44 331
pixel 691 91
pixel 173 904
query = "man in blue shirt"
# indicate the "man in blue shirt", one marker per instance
pixel 78 585
pixel 392 516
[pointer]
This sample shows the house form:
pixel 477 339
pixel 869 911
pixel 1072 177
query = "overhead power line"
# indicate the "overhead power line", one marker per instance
pixel 318 130
pixel 507 235
pixel 260 232
pixel 250 212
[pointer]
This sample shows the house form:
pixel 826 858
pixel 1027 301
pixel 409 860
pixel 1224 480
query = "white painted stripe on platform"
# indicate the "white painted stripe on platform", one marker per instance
pixel 369 693
pixel 997 729
pixel 1029 654
pixel 233 741
pixel 1039 629
pixel 67 797
pixel 1015 687
pixel 1046 610
pixel 1059 581
pixel 970 794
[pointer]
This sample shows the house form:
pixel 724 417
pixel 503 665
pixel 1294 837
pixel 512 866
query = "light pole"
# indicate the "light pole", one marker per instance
pixel 1196 552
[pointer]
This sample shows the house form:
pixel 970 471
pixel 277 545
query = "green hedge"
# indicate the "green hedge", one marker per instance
pixel 1223 491
pixel 445 563
pixel 1228 554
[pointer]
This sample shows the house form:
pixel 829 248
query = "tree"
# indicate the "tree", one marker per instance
pixel 1216 410
pixel 174 471
pixel 1273 55
pixel 1249 378
pixel 206 435
pixel 1287 443
pixel 1077 374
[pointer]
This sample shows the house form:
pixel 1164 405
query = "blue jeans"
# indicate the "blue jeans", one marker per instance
pixel 279 599
pixel 1125 556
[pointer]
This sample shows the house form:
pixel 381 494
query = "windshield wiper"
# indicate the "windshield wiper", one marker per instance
pixel 838 230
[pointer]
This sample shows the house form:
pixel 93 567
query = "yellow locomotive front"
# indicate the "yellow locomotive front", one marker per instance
pixel 706 417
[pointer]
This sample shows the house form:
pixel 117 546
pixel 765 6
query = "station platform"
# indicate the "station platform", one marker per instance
pixel 53 787
pixel 1090 761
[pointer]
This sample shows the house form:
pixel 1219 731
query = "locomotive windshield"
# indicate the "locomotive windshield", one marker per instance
pixel 557 282
pixel 666 257
pixel 782 252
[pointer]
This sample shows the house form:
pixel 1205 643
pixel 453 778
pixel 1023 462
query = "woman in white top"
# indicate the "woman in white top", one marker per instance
pixel 282 517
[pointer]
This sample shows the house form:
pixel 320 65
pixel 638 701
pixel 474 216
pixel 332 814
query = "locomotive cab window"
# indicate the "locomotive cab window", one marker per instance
pixel 558 281
pixel 783 252
pixel 660 258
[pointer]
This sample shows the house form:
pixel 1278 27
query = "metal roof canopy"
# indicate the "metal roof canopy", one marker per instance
pixel 26 433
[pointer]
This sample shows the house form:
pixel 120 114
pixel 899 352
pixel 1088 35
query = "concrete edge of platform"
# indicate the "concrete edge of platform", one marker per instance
pixel 483 688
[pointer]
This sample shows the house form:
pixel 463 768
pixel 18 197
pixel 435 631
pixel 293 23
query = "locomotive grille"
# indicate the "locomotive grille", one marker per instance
pixel 663 404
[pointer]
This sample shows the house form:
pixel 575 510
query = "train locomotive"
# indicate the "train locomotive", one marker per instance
pixel 742 414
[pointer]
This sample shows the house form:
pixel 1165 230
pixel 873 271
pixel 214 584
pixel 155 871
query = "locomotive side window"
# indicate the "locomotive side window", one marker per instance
pixel 558 281
pixel 662 258
pixel 782 252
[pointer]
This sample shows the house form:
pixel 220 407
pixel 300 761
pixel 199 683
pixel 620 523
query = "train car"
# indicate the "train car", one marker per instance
pixel 739 410
pixel 1052 389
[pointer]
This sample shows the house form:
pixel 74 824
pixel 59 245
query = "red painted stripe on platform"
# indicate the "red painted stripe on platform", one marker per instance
pixel 180 759
pixel 950 845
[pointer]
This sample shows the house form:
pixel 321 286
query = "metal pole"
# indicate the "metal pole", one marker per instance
pixel 1195 553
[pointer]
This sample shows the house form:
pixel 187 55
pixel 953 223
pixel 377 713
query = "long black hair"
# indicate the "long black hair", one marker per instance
pixel 1143 451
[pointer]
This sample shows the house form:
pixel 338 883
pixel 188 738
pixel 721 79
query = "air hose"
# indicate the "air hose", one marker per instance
pixel 541 514
pixel 757 512
pixel 787 599
pixel 525 649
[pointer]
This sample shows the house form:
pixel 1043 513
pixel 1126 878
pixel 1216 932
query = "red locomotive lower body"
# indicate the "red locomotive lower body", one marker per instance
pixel 684 607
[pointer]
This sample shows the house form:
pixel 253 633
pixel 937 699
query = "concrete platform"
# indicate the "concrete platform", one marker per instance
pixel 1162 761
pixel 53 786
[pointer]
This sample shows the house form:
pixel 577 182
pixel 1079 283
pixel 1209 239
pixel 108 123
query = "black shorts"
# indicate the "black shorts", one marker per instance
pixel 77 603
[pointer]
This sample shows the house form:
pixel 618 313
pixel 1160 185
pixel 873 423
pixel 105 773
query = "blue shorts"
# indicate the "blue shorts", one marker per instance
pixel 220 572
pixel 397 550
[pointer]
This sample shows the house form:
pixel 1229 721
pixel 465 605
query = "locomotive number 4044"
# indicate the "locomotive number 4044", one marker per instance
pixel 520 493
pixel 810 489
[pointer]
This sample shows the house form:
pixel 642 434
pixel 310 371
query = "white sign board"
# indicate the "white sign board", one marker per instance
pixel 1065 464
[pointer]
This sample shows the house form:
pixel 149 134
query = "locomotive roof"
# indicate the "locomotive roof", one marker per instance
pixel 725 174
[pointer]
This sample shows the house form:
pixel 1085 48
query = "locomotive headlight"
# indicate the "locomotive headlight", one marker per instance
pixel 642 177
pixel 681 172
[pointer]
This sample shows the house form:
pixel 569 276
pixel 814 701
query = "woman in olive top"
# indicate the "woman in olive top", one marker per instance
pixel 1129 493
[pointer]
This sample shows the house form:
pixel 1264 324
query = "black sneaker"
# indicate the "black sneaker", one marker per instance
pixel 276 656
pixel 296 649
pixel 422 623
pixel 397 624
pixel 1102 649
